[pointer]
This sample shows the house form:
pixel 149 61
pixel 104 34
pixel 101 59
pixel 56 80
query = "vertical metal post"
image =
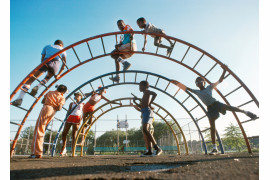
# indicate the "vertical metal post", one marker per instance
pixel 117 136
pixel 28 138
pixel 190 139
pixel 50 138
pixel 95 140
pixel 126 133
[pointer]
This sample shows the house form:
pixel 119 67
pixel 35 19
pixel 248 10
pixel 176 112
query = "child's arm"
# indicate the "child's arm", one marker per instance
pixel 182 86
pixel 112 102
pixel 69 108
pixel 62 68
pixel 154 95
pixel 220 79
pixel 136 107
pixel 145 42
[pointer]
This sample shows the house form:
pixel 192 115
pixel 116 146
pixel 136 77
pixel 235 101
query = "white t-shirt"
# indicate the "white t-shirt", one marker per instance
pixel 78 110
pixel 50 50
pixel 151 28
pixel 205 95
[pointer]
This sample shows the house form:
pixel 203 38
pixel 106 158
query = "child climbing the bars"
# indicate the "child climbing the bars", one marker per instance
pixel 214 107
pixel 89 107
pixel 127 43
pixel 51 68
pixel 73 120
pixel 53 101
pixel 151 28
pixel 147 117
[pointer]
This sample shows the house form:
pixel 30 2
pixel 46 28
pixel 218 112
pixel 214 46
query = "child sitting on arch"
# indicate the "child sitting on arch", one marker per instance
pixel 127 43
pixel 73 120
pixel 51 68
pixel 150 28
pixel 214 107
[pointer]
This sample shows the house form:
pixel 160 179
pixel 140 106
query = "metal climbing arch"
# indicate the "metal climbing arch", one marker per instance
pixel 178 60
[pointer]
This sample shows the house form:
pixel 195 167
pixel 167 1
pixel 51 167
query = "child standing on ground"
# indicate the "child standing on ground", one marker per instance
pixel 53 101
pixel 214 107
pixel 147 117
pixel 73 120
pixel 51 68
pixel 127 43
pixel 150 28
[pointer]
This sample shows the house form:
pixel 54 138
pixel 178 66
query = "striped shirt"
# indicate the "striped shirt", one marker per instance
pixel 205 95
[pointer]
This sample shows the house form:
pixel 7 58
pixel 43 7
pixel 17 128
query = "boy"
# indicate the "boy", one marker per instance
pixel 73 120
pixel 127 43
pixel 51 68
pixel 150 28
pixel 89 107
pixel 147 117
pixel 53 101
pixel 214 107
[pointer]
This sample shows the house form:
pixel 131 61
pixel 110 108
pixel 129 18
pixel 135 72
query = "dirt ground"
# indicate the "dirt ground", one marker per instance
pixel 228 166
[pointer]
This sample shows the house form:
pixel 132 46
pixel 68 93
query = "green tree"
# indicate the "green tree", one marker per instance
pixel 233 137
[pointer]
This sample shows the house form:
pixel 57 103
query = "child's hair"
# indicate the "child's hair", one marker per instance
pixel 199 79
pixel 59 42
pixel 145 83
pixel 141 19
pixel 61 88
pixel 120 20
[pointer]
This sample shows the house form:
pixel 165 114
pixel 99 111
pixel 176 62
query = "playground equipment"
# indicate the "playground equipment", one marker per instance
pixel 180 61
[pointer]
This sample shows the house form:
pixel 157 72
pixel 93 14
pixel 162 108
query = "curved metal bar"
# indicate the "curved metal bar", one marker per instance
pixel 134 32
pixel 154 87
pixel 113 108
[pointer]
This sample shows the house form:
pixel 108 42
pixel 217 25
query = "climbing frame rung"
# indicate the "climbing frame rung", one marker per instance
pixel 198 61
pixel 103 45
pixel 135 77
pixel 210 69
pixel 176 92
pixel 172 49
pixel 245 103
pixel 205 130
pixel 15 123
pixel 63 62
pixel 102 82
pixel 233 91
pixel 58 119
pixel 20 107
pixel 48 143
pixel 76 54
pixel 28 93
pixel 91 86
pixel 147 77
pixel 185 100
pixel 185 54
pixel 167 86
pixel 157 82
pixel 201 118
pixel 64 108
pixel 193 108
pixel 249 120
pixel 89 49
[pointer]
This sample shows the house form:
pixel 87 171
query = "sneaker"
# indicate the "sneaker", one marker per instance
pixel 35 156
pixel 147 153
pixel 213 152
pixel 34 91
pixel 158 152
pixel 251 115
pixel 115 79
pixel 126 65
pixel 17 102
pixel 64 153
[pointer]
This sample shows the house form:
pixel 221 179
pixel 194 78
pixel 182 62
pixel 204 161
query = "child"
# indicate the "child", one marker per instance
pixel 127 43
pixel 150 28
pixel 89 107
pixel 214 107
pixel 147 117
pixel 53 101
pixel 73 120
pixel 51 68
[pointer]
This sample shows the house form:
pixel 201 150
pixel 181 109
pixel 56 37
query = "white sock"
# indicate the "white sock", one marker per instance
pixel 41 83
pixel 25 87
pixel 215 146
pixel 121 60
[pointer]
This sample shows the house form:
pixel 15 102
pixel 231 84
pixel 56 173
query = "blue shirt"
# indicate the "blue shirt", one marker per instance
pixel 50 50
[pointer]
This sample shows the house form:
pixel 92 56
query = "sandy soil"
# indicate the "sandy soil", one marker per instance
pixel 228 166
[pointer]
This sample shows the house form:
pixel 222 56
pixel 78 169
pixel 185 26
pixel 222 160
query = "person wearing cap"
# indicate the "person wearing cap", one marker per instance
pixel 53 101
pixel 73 120
pixel 89 107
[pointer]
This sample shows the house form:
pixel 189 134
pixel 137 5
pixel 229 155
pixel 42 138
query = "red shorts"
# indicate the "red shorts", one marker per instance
pixel 74 119
pixel 88 107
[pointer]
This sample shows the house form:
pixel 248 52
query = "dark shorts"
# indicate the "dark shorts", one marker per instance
pixel 214 109
pixel 147 116
pixel 53 66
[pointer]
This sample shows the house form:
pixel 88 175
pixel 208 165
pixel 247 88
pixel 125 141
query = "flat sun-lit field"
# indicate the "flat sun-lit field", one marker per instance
pixel 228 166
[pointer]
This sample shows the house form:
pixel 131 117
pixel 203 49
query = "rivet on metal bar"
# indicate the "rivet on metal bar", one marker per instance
pixel 245 103
pixel 76 54
pixel 210 70
pixel 198 61
pixel 185 54
pixel 232 91
pixel 89 49
pixel 103 45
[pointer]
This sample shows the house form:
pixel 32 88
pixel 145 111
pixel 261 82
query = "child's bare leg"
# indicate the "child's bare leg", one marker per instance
pixel 213 130
pixel 32 79
pixel 146 130
pixel 64 135
pixel 146 141
pixel 75 128
pixel 158 44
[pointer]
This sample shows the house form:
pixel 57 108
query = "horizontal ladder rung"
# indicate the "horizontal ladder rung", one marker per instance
pixel 205 130
pixel 232 91
pixel 20 107
pixel 245 103
pixel 193 108
pixel 185 100
pixel 58 119
pixel 15 123
pixel 249 120
pixel 210 70
pixel 47 143
pixel 200 118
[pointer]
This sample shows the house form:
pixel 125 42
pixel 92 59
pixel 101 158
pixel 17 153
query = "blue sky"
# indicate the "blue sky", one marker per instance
pixel 228 30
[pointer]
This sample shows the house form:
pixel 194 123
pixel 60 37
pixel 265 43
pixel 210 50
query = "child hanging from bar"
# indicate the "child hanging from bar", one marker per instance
pixel 214 107
pixel 53 101
pixel 150 28
pixel 89 107
pixel 73 120
pixel 147 117
pixel 51 68
pixel 127 43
